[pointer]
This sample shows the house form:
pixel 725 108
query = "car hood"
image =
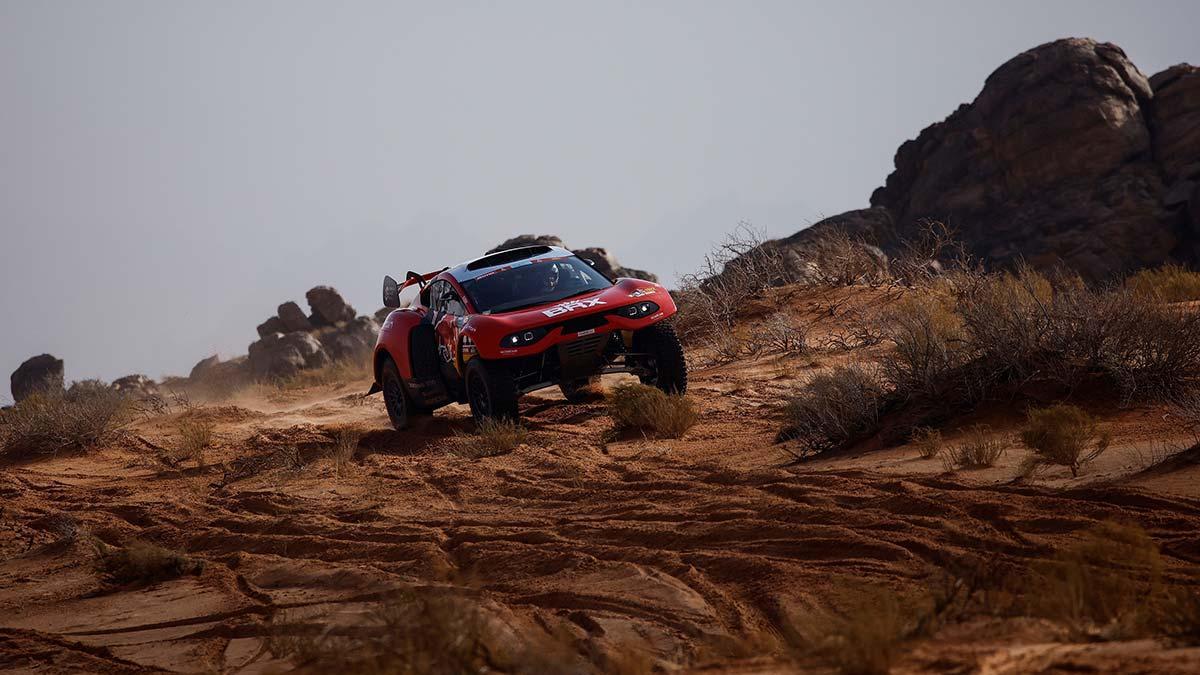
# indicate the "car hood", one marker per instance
pixel 624 292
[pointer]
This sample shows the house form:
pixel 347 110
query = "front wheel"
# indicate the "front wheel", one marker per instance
pixel 664 363
pixel 395 397
pixel 491 391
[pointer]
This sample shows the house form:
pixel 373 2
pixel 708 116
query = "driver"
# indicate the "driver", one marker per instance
pixel 550 281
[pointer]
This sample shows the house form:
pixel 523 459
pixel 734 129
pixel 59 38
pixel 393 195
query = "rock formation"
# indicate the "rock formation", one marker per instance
pixel 39 373
pixel 1069 155
pixel 604 261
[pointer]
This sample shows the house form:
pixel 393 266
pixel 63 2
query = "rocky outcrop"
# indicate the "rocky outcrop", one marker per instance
pixel 281 355
pixel 1067 156
pixel 291 341
pixel 136 386
pixel 40 373
pixel 603 260
pixel 328 307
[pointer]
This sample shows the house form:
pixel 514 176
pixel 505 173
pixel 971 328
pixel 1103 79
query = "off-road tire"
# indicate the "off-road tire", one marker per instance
pixel 668 368
pixel 491 391
pixel 575 391
pixel 399 404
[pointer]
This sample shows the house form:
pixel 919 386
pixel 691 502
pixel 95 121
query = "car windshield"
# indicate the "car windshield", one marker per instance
pixel 529 283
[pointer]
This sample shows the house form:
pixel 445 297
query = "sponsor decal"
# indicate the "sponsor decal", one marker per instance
pixel 585 332
pixel 643 292
pixel 572 305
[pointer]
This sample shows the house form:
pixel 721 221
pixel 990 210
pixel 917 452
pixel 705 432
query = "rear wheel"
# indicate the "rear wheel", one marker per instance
pixel 491 391
pixel 395 397
pixel 664 363
pixel 577 390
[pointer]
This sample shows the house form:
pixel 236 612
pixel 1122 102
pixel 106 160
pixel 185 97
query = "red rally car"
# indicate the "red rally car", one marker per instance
pixel 489 330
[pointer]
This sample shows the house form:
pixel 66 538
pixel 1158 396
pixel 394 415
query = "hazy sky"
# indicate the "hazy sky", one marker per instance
pixel 172 171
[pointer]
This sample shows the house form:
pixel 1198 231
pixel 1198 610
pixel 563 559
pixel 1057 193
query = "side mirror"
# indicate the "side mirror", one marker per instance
pixel 391 292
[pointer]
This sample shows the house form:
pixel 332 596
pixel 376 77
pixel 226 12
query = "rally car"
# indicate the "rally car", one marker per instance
pixel 489 330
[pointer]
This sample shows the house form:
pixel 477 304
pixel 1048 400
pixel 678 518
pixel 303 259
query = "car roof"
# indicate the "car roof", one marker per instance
pixel 473 269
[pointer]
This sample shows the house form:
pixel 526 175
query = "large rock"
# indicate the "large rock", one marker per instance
pixel 204 368
pixel 351 340
pixel 328 307
pixel 272 325
pixel 137 386
pixel 1175 128
pixel 1061 159
pixel 40 373
pixel 604 261
pixel 281 355
pixel 293 318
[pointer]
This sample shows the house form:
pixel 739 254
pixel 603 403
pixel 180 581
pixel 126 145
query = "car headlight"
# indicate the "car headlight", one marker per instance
pixel 523 338
pixel 639 310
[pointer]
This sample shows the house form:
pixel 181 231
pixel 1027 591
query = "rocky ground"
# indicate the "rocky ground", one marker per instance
pixel 705 553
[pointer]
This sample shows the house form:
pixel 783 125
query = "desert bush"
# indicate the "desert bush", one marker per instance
pixel 781 333
pixel 1063 435
pixel 863 638
pixel 491 438
pixel 978 449
pixel 1106 585
pixel 1169 283
pixel 345 444
pixel 1178 616
pixel 929 341
pixel 195 436
pixel 143 563
pixel 928 442
pixel 646 409
pixel 835 258
pixel 50 421
pixel 833 409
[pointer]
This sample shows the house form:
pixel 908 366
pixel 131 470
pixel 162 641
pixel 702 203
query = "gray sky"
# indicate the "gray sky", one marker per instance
pixel 171 171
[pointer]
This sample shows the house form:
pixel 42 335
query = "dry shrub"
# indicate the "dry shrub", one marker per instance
pixel 143 563
pixel 1105 586
pixel 781 333
pixel 929 341
pixel 345 445
pixel 195 436
pixel 977 450
pixel 1169 283
pixel 650 411
pixel 419 632
pixel 864 638
pixel 491 438
pixel 1063 435
pixel 1178 616
pixel 928 442
pixel 835 258
pixel 52 421
pixel 738 269
pixel 833 409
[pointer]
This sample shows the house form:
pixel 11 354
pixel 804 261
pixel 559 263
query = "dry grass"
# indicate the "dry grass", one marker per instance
pixel 1062 435
pixel 143 563
pixel 345 445
pixel 928 441
pixel 343 371
pixel 863 638
pixel 1169 283
pixel 50 422
pixel 645 409
pixel 978 449
pixel 832 410
pixel 195 436
pixel 491 438
pixel 1108 585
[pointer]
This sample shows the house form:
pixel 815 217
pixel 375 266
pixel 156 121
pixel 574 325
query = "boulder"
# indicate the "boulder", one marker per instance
pixel 293 318
pixel 351 340
pixel 282 355
pixel 328 307
pixel 138 386
pixel 1061 159
pixel 39 373
pixel 271 325
pixel 204 368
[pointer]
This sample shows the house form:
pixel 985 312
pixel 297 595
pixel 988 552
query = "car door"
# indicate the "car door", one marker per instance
pixel 448 321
